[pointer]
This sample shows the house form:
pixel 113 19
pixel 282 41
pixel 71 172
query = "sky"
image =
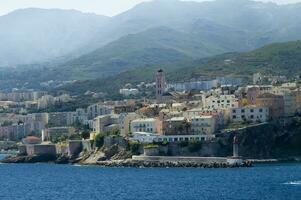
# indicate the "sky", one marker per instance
pixel 102 7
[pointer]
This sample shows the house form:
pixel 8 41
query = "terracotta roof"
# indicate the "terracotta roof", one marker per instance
pixel 32 138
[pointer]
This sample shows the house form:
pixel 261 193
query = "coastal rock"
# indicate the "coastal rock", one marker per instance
pixel 160 164
pixel 30 159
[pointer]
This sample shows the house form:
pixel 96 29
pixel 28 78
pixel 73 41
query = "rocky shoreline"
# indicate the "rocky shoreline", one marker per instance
pixel 166 164
pixel 119 163
pixel 36 159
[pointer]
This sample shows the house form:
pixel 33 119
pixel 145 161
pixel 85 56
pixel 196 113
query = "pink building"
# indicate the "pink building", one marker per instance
pixel 252 94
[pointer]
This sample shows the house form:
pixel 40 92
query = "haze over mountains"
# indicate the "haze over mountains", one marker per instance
pixel 152 33
pixel 35 35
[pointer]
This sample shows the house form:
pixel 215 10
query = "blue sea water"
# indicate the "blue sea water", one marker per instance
pixel 53 182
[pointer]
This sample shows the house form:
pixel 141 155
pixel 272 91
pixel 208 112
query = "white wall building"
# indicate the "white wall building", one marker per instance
pixel 100 122
pixel 129 92
pixel 203 125
pixel 254 114
pixel 98 109
pixel 125 120
pixel 46 101
pixel 151 125
pixel 221 102
pixel 150 137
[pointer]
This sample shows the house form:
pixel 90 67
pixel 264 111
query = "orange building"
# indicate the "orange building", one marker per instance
pixel 275 103
pixel 252 94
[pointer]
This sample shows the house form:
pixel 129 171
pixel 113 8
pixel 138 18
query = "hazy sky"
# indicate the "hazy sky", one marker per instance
pixel 105 7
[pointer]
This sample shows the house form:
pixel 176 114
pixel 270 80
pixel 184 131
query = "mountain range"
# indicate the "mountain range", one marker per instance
pixel 68 44
pixel 38 35
pixel 276 59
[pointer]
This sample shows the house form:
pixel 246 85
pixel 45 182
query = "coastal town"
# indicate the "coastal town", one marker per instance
pixel 195 113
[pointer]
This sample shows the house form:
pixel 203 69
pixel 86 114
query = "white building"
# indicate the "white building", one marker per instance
pixel 221 102
pixel 151 125
pixel 63 98
pixel 125 120
pixel 98 109
pixel 144 137
pixel 221 116
pixel 105 123
pixel 46 101
pixel 203 125
pixel 252 113
pixel 100 122
pixel 80 116
pixel 129 92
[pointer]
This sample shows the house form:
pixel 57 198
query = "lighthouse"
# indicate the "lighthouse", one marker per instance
pixel 235 147
pixel 160 85
pixel 235 160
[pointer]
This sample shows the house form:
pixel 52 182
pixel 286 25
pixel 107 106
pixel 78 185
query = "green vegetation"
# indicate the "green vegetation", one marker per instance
pixel 134 147
pixel 236 125
pixel 85 134
pixel 276 59
pixel 194 146
pixel 99 140
pixel 150 146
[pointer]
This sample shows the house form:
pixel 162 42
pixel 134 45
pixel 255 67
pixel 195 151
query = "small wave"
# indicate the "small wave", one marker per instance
pixel 293 183
pixel 77 165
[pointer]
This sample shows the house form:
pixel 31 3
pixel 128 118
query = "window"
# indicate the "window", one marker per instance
pixel 234 116
pixel 233 111
pixel 242 110
pixel 252 110
pixel 260 110
pixel 252 116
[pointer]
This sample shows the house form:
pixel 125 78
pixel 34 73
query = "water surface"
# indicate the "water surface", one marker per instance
pixel 52 182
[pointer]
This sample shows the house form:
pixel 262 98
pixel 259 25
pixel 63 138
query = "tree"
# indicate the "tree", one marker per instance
pixel 85 134
pixel 99 140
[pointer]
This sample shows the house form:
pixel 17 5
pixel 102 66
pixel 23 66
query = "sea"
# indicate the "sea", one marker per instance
pixel 75 182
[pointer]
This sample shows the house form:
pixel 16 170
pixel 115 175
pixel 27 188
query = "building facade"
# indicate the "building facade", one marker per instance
pixel 251 113
pixel 203 125
pixel 150 125
pixel 275 103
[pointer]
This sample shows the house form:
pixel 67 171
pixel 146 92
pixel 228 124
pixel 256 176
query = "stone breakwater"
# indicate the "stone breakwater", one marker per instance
pixel 167 164
pixel 122 163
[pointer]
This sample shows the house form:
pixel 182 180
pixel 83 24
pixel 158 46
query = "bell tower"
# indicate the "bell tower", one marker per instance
pixel 160 84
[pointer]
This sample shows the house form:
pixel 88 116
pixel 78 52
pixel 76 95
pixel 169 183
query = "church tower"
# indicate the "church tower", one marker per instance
pixel 160 84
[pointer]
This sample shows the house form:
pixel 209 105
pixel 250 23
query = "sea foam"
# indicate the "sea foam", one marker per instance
pixel 293 183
